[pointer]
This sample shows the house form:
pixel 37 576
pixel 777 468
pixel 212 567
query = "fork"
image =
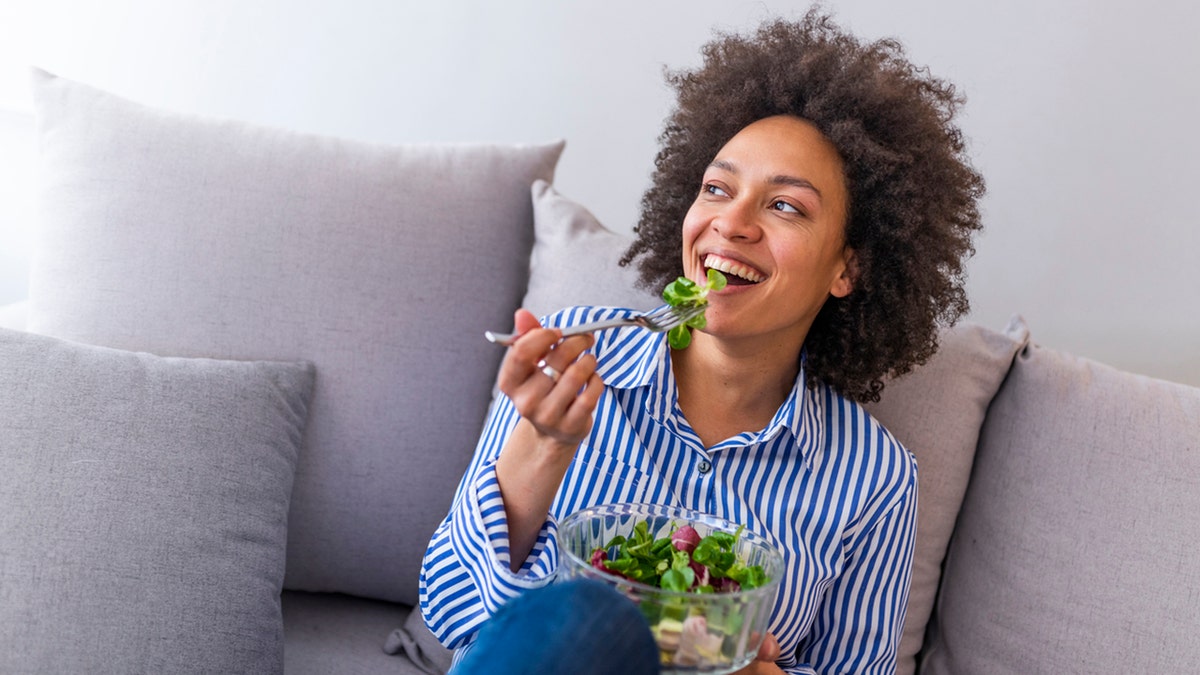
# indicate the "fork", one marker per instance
pixel 658 320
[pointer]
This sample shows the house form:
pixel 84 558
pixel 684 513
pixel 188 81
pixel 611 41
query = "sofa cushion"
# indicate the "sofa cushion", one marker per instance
pixel 574 259
pixel 936 411
pixel 143 508
pixel 1076 548
pixel 333 633
pixel 383 265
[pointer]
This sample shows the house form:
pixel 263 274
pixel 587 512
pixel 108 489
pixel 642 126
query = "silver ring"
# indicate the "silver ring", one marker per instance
pixel 549 370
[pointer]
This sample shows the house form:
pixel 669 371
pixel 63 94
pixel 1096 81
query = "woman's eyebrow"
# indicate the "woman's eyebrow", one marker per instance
pixel 793 181
pixel 724 165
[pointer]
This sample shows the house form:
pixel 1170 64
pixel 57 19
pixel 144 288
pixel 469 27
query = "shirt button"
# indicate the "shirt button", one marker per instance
pixel 704 466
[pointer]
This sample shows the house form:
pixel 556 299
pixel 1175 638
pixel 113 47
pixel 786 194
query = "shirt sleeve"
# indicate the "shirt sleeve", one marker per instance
pixel 859 626
pixel 466 574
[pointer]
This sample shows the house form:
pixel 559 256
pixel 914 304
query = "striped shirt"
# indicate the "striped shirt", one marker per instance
pixel 823 481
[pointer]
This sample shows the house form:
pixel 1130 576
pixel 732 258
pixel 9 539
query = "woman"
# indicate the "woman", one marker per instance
pixel 824 178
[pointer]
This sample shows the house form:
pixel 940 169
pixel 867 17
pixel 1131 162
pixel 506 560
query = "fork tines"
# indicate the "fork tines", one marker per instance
pixel 668 316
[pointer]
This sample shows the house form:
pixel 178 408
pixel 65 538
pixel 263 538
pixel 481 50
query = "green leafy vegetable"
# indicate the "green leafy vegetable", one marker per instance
pixel 682 561
pixel 684 292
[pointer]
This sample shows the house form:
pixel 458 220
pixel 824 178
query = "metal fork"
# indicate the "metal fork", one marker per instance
pixel 658 320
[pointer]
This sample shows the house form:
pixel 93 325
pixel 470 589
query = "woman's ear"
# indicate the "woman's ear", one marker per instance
pixel 844 283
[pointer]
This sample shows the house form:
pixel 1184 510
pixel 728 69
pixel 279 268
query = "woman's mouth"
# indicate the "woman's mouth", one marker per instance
pixel 736 273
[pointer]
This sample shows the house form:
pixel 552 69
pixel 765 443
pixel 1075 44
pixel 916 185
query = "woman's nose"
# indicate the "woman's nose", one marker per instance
pixel 737 221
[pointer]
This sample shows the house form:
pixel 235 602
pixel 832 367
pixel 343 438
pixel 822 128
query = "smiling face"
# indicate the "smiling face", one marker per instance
pixel 771 215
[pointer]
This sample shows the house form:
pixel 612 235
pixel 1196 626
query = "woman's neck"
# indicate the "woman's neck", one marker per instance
pixel 725 391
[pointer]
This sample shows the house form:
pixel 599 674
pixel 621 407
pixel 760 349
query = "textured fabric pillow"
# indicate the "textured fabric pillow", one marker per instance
pixel 574 259
pixel 334 634
pixel 937 411
pixel 383 265
pixel 143 507
pixel 1076 548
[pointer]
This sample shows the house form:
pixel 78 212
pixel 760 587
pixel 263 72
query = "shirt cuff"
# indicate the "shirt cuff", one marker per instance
pixel 490 520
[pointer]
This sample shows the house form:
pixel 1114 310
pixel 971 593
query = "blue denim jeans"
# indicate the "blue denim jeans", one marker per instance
pixel 581 626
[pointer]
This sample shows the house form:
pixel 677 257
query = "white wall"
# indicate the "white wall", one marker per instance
pixel 1081 115
pixel 18 153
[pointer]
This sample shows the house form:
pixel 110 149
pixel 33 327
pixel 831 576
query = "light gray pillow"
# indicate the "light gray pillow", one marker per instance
pixel 384 265
pixel 1076 548
pixel 143 508
pixel 937 411
pixel 574 259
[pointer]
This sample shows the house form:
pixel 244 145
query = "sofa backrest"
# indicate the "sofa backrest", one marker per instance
pixel 383 265
pixel 1075 551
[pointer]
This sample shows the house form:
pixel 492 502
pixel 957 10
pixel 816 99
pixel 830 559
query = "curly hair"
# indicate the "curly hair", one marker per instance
pixel 912 191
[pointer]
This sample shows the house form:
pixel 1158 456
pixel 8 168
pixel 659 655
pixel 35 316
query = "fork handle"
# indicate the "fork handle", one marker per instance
pixel 506 339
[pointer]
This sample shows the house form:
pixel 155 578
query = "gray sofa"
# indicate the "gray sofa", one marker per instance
pixel 252 372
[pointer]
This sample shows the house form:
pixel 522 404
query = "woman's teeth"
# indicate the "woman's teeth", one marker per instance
pixel 730 267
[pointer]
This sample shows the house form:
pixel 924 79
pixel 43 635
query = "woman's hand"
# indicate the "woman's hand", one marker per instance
pixel 764 663
pixel 556 415
pixel 558 409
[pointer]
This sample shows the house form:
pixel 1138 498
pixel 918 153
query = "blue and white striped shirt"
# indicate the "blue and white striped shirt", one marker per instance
pixel 829 486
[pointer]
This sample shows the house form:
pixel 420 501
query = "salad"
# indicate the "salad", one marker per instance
pixel 683 561
pixel 689 638
pixel 684 292
pixel 705 586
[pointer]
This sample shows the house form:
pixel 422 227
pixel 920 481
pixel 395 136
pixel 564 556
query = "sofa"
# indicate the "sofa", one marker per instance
pixel 251 372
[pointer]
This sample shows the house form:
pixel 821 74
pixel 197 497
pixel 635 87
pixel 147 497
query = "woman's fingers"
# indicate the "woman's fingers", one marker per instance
pixel 539 357
pixel 579 414
pixel 552 382
pixel 567 392
pixel 565 411
pixel 563 354
pixel 520 362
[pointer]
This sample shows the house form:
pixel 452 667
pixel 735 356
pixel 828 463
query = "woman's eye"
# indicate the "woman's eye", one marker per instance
pixel 781 205
pixel 715 190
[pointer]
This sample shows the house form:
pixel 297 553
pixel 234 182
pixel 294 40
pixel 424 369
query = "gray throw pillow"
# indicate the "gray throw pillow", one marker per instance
pixel 1076 548
pixel 574 259
pixel 143 508
pixel 937 411
pixel 383 265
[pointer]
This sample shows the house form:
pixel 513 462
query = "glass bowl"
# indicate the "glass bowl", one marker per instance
pixel 696 632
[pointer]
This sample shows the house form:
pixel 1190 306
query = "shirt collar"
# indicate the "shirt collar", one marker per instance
pixel 648 364
pixel 643 358
pixel 799 415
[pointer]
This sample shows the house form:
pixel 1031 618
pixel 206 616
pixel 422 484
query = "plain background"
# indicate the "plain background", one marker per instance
pixel 1081 116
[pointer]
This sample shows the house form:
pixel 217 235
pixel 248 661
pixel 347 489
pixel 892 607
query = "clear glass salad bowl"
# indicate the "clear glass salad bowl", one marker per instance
pixel 696 632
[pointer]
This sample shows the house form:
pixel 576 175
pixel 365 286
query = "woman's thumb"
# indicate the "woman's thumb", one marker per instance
pixel 769 650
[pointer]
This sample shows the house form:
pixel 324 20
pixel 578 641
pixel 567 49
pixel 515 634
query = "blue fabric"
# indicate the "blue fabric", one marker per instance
pixel 823 481
pixel 582 627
